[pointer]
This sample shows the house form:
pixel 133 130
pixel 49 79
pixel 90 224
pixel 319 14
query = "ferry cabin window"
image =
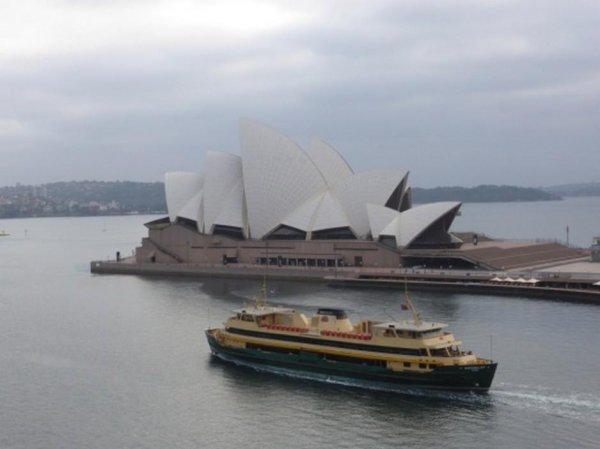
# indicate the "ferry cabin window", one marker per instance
pixel 247 317
pixel 404 334
pixel 406 364
pixel 389 333
pixel 442 352
pixel 423 365
pixel 338 313
pixel 431 333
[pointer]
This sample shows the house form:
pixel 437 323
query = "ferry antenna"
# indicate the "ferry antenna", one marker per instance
pixel 208 312
pixel 261 297
pixel 208 307
pixel 415 313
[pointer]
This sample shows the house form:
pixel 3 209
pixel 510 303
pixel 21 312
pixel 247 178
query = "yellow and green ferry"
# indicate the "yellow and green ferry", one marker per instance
pixel 368 353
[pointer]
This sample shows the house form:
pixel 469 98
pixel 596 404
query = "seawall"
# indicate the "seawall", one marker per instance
pixel 555 286
pixel 197 270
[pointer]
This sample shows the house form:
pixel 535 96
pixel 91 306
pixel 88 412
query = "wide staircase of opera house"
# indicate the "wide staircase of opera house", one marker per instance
pixel 508 255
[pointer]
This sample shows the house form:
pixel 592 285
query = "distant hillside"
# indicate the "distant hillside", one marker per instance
pixel 140 196
pixel 580 189
pixel 481 194
pixel 78 198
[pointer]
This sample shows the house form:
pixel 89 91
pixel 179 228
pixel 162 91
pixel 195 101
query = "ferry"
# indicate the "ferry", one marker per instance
pixel 383 355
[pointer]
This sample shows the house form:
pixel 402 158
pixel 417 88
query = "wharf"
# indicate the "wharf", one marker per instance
pixel 554 291
pixel 550 283
pixel 239 271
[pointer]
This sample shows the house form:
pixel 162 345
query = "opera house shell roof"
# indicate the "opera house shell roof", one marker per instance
pixel 278 190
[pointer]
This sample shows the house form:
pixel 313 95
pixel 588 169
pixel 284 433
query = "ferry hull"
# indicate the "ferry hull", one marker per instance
pixel 310 364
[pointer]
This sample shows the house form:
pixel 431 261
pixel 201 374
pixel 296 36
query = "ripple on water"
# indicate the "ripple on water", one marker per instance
pixel 579 406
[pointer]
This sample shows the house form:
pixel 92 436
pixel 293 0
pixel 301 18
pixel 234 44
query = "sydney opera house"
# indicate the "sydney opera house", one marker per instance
pixel 278 203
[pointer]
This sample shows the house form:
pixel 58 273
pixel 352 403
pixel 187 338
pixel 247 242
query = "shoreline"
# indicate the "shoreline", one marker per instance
pixel 552 285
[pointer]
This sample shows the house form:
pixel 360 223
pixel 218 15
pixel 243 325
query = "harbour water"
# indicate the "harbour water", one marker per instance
pixel 544 220
pixel 100 361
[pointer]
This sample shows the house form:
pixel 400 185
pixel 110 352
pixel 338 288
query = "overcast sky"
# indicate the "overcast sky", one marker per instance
pixel 457 92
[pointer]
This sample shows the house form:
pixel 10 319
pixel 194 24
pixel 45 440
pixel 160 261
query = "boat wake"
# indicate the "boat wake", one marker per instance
pixel 578 406
pixel 582 407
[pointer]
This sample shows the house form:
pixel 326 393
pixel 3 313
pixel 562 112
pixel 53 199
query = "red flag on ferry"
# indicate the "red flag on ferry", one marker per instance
pixel 404 306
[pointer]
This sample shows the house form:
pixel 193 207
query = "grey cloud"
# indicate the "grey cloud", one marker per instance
pixel 460 94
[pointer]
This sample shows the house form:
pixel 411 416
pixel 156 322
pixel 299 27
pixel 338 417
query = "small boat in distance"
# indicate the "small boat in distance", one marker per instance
pixel 3 233
pixel 374 354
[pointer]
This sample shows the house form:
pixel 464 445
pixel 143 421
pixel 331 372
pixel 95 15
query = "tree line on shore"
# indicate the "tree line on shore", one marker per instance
pixel 76 198
pixel 79 198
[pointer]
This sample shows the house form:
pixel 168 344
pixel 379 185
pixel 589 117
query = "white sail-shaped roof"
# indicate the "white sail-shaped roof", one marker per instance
pixel 379 218
pixel 278 176
pixel 276 183
pixel 180 188
pixel 320 212
pixel 406 201
pixel 373 187
pixel 302 217
pixel 330 214
pixel 223 174
pixel 330 163
pixel 232 209
pixel 408 225
pixel 192 210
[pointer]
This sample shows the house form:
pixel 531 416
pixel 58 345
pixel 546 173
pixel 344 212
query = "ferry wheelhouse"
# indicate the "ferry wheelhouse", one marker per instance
pixel 370 353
